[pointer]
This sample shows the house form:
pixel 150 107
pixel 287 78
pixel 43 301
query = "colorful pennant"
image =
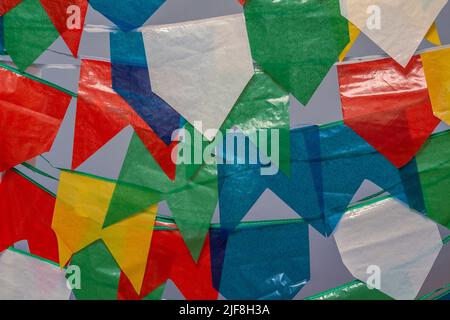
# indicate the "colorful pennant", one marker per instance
pixel 397 30
pixel 26 212
pixel 30 116
pixel 296 42
pixel 207 61
pixel 80 212
pixel 413 245
pixel 388 106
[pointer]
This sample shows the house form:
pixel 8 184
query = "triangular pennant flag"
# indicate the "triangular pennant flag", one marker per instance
pixel 392 239
pixel 388 106
pixel 68 17
pixel 102 114
pixel 30 116
pixel 169 258
pixel 436 65
pixel 28 32
pixel 100 273
pixel 396 27
pixel 80 210
pixel 296 42
pixel 130 79
pixel 142 183
pixel 434 171
pixel 433 35
pixel 263 105
pixel 26 212
pixel 347 160
pixel 261 261
pixel 127 14
pixel 241 185
pixel 207 61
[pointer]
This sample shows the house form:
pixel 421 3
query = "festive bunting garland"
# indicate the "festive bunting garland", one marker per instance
pixel 100 224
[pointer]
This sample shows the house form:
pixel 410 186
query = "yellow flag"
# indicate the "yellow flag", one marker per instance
pixel 80 210
pixel 437 72
pixel 353 33
pixel 433 35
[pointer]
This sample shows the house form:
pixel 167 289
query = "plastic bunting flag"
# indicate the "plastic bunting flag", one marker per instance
pixel 31 113
pixel 80 210
pixel 434 167
pixel 347 161
pixel 393 239
pixel 398 28
pixel 207 61
pixel 328 166
pixel 380 99
pixel 24 277
pixel 100 280
pixel 241 185
pixel 26 212
pixel 33 25
pixel 258 261
pixel 437 72
pixel 263 105
pixel 130 79
pixel 296 42
pixel 142 183
pixel 102 114
pixel 432 36
pixel 127 14
pixel 169 259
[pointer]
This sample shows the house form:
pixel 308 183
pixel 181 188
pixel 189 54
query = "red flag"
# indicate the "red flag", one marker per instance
pixel 68 17
pixel 169 258
pixel 6 5
pixel 388 106
pixel 26 213
pixel 30 116
pixel 102 114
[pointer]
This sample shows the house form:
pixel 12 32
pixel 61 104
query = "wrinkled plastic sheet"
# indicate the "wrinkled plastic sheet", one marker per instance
pixel 296 42
pixel 400 242
pixel 403 24
pixel 388 106
pixel 23 277
pixel 208 62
